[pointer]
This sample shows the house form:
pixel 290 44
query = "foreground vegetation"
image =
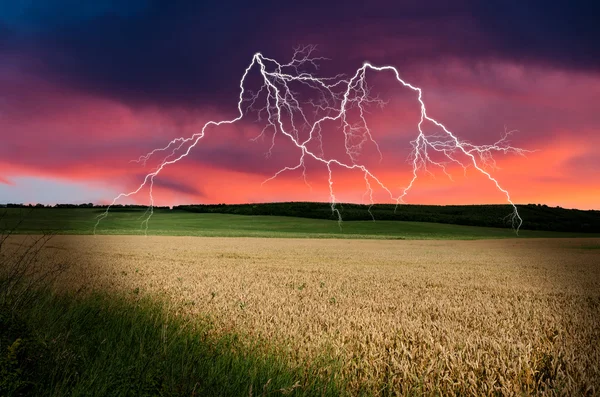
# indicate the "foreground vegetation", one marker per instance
pixel 502 317
pixel 58 342
pixel 175 316
pixel 185 223
pixel 101 345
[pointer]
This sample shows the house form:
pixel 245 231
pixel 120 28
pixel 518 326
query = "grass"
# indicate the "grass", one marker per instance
pixel 91 342
pixel 100 345
pixel 176 223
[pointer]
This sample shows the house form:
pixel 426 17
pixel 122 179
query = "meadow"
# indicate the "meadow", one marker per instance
pixel 183 223
pixel 255 316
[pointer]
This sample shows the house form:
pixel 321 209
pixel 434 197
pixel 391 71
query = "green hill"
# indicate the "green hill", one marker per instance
pixel 535 216
pixel 307 219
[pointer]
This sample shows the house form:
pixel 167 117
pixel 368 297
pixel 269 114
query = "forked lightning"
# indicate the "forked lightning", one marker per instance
pixel 284 112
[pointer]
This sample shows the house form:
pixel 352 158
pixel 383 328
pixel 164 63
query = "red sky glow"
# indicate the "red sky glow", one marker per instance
pixel 82 125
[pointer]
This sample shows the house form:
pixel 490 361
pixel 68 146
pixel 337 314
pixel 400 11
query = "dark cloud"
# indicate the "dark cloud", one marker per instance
pixel 192 52
pixel 249 158
pixel 563 33
pixel 174 186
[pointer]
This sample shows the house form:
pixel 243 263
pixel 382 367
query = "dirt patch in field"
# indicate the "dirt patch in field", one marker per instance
pixel 466 317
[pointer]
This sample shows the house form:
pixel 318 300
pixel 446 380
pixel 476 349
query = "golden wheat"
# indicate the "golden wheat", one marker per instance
pixel 508 317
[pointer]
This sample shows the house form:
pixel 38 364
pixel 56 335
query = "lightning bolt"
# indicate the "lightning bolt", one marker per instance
pixel 284 113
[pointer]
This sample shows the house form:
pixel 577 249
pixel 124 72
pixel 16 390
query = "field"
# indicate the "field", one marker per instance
pixel 181 223
pixel 380 317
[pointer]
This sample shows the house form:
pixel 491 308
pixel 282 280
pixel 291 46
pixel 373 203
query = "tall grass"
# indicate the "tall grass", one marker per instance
pixel 21 267
pixel 103 345
pixel 96 344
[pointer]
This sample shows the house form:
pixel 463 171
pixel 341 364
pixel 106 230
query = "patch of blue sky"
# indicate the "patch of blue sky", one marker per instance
pixel 33 190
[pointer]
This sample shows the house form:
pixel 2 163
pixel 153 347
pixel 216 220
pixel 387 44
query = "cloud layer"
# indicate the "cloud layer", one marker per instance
pixel 85 91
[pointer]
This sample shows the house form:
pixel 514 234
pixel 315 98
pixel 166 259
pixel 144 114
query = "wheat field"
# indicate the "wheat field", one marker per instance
pixel 486 317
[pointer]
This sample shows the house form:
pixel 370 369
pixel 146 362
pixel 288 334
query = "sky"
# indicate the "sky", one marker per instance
pixel 86 87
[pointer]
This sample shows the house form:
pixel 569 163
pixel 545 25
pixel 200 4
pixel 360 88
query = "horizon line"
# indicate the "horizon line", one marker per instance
pixel 96 205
